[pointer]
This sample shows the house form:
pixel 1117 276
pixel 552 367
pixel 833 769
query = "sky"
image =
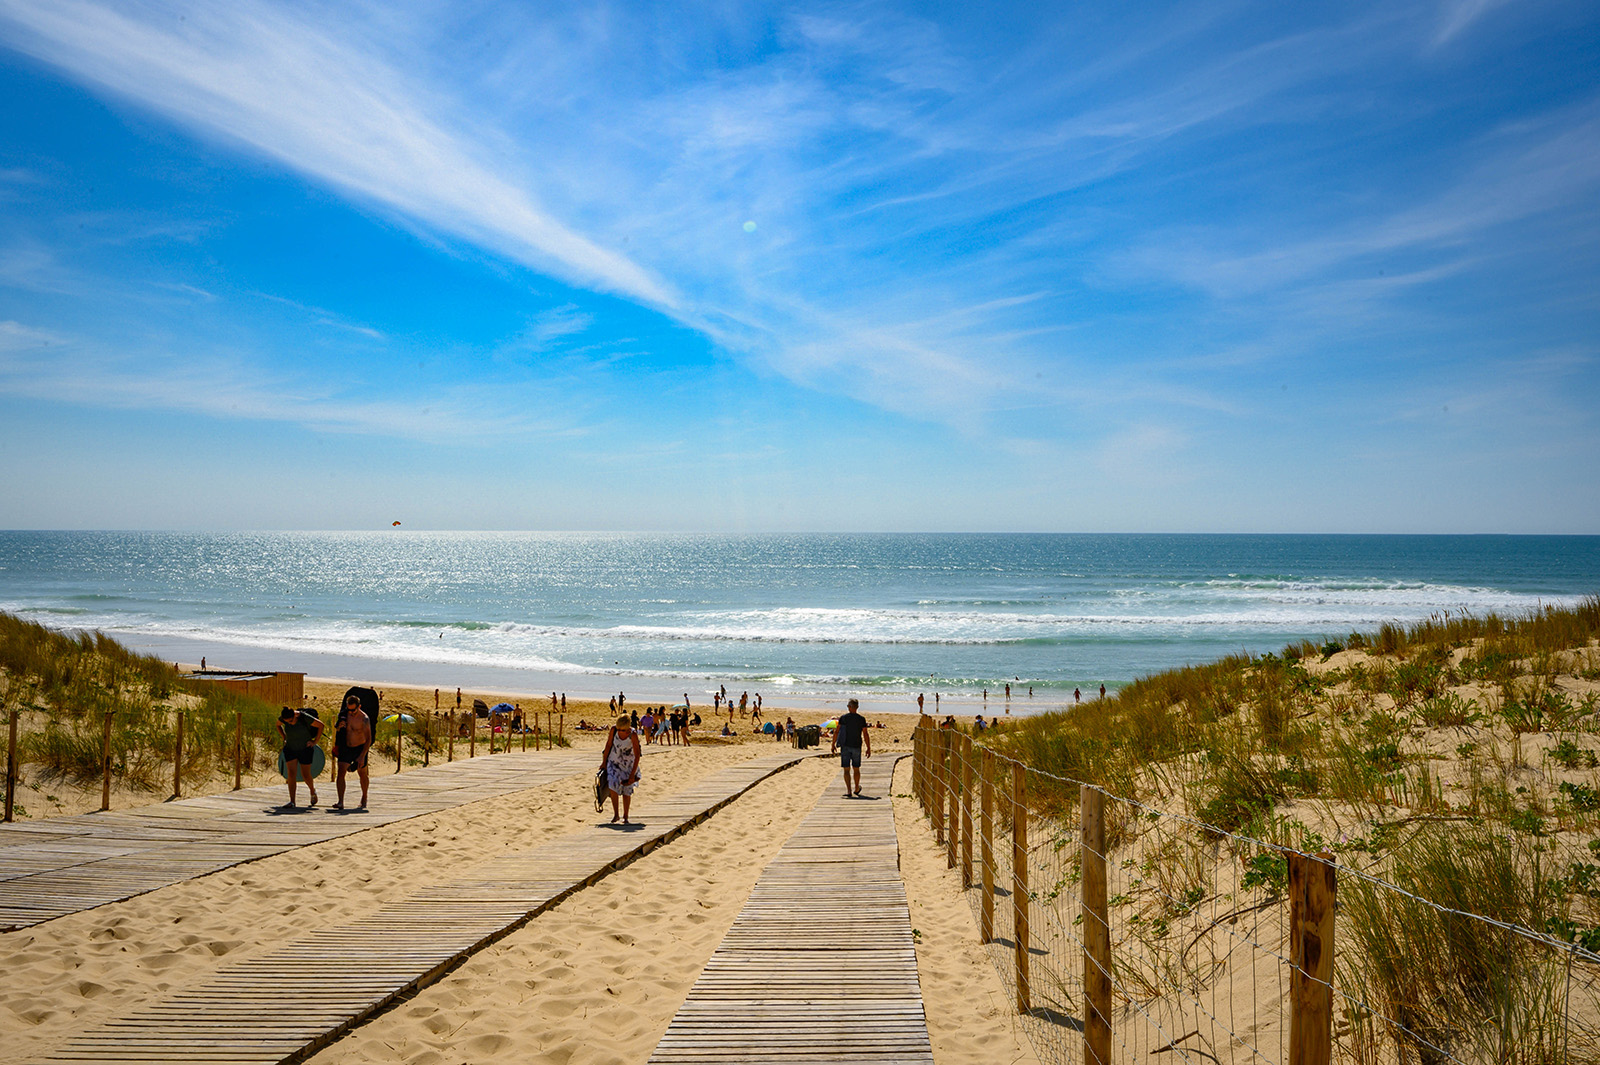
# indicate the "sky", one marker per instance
pixel 739 267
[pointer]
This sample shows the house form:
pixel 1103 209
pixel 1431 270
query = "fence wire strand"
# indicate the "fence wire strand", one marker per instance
pixel 1201 963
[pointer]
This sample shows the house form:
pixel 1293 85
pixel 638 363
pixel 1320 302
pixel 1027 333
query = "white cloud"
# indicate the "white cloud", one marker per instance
pixel 1456 16
pixel 321 105
pixel 41 364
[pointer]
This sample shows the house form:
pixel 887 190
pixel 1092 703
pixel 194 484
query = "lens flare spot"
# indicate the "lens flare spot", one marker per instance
pixel 749 227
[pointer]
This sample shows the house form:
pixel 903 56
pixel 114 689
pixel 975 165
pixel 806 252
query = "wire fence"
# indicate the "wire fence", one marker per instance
pixel 1126 933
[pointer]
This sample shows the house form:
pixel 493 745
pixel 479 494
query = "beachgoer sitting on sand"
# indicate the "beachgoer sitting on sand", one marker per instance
pixel 979 725
pixel 621 763
pixel 726 731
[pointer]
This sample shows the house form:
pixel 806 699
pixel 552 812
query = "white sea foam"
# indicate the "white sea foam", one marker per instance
pixel 796 612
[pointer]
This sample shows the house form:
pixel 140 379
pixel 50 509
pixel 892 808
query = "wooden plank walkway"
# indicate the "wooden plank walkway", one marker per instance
pixel 50 868
pixel 296 998
pixel 819 966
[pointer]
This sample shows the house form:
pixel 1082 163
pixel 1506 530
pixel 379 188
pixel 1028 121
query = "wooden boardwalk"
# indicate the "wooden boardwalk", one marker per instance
pixel 819 966
pixel 50 868
pixel 293 999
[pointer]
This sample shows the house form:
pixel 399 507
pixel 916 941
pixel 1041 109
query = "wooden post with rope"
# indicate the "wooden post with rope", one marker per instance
pixel 966 812
pixel 952 776
pixel 11 765
pixel 1313 889
pixel 1019 885
pixel 1096 930
pixel 986 847
pixel 105 764
pixel 177 760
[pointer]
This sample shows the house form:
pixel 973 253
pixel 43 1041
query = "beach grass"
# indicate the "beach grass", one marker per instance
pixel 1458 757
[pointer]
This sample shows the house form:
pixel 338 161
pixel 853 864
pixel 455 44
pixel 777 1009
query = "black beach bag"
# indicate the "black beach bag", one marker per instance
pixel 601 790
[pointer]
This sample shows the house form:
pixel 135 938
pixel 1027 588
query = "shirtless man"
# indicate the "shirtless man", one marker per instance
pixel 352 742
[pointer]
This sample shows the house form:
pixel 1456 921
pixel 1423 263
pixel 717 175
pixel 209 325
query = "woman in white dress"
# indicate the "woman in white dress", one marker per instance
pixel 621 762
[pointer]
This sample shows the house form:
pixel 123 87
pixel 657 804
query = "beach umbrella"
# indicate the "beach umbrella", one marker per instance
pixel 832 722
pixel 502 708
pixel 391 718
pixel 681 706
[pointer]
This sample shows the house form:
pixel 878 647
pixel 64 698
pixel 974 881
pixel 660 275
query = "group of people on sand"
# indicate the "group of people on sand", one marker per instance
pixel 352 744
pixel 721 700
pixel 670 728
pixel 619 760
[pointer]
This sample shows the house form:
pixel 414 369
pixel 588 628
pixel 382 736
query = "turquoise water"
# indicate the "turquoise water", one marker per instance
pixel 796 614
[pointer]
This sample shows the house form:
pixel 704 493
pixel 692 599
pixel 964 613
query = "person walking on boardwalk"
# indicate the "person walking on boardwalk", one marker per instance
pixel 301 729
pixel 352 742
pixel 621 763
pixel 848 739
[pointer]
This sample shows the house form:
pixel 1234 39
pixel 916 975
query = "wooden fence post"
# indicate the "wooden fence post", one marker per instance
pixel 1313 887
pixel 238 749
pixel 1096 930
pixel 952 778
pixel 399 740
pixel 939 745
pixel 450 738
pixel 105 764
pixel 561 725
pixel 1019 884
pixel 427 734
pixel 916 766
pixel 986 848
pixel 919 759
pixel 11 765
pixel 966 812
pixel 472 734
pixel 177 760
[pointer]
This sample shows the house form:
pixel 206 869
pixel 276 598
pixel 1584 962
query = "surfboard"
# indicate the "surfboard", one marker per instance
pixel 319 761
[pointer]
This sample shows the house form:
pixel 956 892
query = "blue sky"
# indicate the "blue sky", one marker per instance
pixel 1188 267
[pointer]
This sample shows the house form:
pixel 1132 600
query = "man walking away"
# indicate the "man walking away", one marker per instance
pixel 848 740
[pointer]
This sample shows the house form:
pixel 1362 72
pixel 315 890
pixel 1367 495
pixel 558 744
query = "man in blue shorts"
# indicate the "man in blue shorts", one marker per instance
pixel 848 740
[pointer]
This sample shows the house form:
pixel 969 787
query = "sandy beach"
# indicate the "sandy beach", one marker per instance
pixel 596 979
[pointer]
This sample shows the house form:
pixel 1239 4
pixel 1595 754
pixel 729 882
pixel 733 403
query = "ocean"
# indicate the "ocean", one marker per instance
pixel 801 618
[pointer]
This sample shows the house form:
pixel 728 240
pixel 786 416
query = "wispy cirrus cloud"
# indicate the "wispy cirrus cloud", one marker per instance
pixel 267 77
pixel 891 169
pixel 51 366
pixel 1544 167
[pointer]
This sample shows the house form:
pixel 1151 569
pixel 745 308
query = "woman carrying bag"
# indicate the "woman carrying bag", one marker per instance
pixel 621 763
